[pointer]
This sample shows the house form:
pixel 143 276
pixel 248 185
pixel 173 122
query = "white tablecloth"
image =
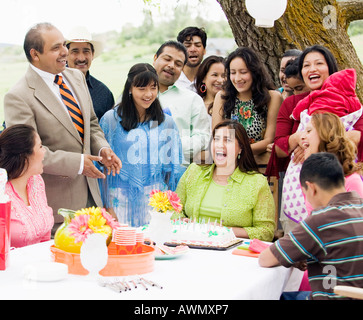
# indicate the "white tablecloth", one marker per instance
pixel 197 275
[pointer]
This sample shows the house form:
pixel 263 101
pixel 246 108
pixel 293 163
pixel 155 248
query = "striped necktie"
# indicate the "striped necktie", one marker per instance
pixel 71 105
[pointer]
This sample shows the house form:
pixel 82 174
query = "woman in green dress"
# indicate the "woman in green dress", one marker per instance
pixel 230 191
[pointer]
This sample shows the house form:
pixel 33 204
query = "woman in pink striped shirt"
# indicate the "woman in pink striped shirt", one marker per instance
pixel 22 154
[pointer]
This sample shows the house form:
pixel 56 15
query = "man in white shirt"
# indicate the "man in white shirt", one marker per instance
pixel 70 175
pixel 186 107
pixel 195 40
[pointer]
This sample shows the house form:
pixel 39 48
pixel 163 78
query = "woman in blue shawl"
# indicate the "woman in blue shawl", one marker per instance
pixel 147 142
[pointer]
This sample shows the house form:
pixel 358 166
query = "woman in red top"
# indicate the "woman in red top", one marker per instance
pixel 319 64
pixel 316 65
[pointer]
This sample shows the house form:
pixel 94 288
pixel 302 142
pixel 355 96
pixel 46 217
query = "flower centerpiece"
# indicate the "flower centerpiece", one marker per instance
pixel 167 201
pixel 79 224
pixel 164 204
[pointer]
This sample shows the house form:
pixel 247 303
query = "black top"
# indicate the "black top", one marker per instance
pixel 102 97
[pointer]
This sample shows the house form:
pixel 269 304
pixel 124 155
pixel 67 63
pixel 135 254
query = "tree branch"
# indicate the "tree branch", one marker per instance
pixel 350 10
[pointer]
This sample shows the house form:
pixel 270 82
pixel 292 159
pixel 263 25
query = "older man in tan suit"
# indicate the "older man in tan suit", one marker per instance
pixel 69 172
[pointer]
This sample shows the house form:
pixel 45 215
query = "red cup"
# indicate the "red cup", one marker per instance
pixel 5 211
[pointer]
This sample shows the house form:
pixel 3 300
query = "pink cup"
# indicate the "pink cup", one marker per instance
pixel 125 236
pixel 121 225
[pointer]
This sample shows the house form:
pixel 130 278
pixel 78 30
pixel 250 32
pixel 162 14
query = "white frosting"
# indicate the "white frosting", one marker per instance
pixel 202 234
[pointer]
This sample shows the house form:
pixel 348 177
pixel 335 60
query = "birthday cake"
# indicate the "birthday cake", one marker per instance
pixel 206 235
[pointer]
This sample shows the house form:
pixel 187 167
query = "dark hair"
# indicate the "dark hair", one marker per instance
pixel 189 32
pixel 261 82
pixel 16 146
pixel 292 53
pixel 140 75
pixel 175 44
pixel 329 58
pixel 34 40
pixel 246 162
pixel 292 69
pixel 202 72
pixel 324 169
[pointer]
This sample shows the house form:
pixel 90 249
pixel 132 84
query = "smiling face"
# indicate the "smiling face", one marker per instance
pixel 169 65
pixel 143 97
pixel 53 58
pixel 225 148
pixel 310 140
pixel 80 56
pixel 315 70
pixel 241 77
pixel 214 78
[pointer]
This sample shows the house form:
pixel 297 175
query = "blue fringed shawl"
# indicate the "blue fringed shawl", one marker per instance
pixel 151 158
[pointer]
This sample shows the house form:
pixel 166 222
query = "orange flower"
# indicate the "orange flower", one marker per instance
pixel 247 114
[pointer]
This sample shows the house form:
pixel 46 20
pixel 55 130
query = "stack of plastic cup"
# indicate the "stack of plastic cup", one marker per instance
pixel 125 240
pixel 139 241
pixel 121 225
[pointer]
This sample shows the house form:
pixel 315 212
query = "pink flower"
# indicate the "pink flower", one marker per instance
pixel 174 200
pixel 109 219
pixel 153 192
pixel 79 228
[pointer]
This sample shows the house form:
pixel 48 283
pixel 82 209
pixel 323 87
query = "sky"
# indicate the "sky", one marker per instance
pixel 18 16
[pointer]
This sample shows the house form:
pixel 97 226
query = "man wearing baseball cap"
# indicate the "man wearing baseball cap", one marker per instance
pixel 82 50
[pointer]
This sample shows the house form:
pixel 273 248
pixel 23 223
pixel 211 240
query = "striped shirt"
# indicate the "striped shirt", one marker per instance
pixel 331 240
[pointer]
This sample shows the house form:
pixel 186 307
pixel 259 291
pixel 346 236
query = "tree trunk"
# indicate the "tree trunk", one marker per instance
pixel 305 23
